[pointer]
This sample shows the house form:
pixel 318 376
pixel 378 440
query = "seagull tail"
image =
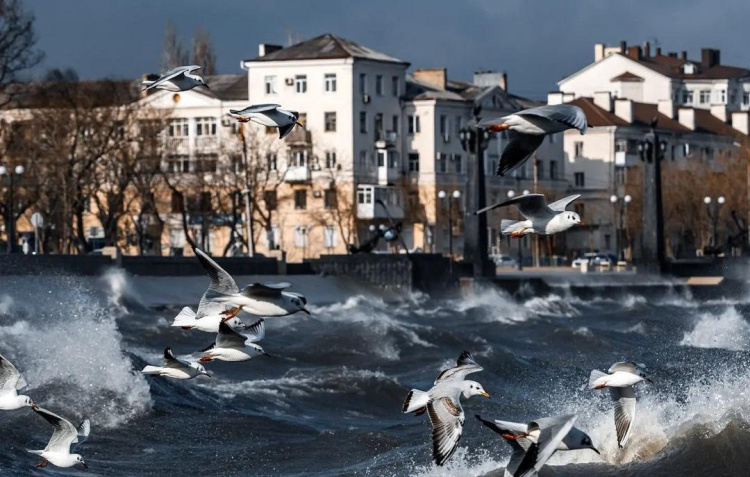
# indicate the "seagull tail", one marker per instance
pixel 507 227
pixel 151 370
pixel 595 379
pixel 415 401
pixel 186 317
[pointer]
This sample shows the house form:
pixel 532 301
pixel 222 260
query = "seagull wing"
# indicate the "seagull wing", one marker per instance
pixel 265 290
pixel 464 365
pixel 447 420
pixel 624 399
pixel 84 429
pixel 284 131
pixel 530 205
pixel 560 205
pixel 625 366
pixel 228 338
pixel 513 432
pixel 552 431
pixel 519 148
pixel 256 108
pixel 10 378
pixel 571 116
pixel 221 281
pixel 171 361
pixel 65 433
pixel 207 307
pixel 257 331
pixel 173 73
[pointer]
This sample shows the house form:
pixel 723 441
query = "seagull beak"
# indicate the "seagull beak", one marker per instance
pixel 648 380
pixel 595 450
pixel 306 310
pixel 485 394
pixel 34 406
pixel 207 375
pixel 300 125
pixel 580 222
pixel 204 84
pixel 85 465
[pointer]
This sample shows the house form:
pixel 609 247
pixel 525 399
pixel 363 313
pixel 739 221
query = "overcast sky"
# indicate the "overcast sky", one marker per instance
pixel 537 42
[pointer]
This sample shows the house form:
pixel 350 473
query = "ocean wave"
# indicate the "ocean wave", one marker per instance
pixel 729 331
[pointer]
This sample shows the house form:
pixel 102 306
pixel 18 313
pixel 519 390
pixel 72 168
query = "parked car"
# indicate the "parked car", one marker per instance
pixel 605 259
pixel 586 257
pixel 504 261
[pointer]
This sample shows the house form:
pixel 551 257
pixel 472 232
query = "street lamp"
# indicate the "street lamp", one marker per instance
pixel 519 265
pixel 624 201
pixel 456 195
pixel 18 171
pixel 713 214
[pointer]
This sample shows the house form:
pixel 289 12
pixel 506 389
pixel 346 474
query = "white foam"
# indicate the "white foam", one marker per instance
pixel 6 302
pixel 118 289
pixel 461 463
pixel 729 331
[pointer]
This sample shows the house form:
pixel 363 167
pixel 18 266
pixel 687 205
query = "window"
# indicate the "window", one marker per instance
pixel 177 163
pixel 442 162
pixel 580 179
pixel 300 199
pixel 330 81
pixel 539 169
pixel 329 236
pixel 363 121
pixel 363 158
pixel 381 157
pixel 395 123
pixel 685 150
pixel 394 86
pixel 364 196
pixel 330 159
pixel 458 163
pixel 746 98
pixel 205 126
pixel 379 85
pixel 299 158
pixel 330 122
pixel 413 162
pixel 178 127
pixel 300 83
pixel 330 200
pixel 579 148
pixel 206 163
pixel 722 96
pixel 705 96
pixel 687 97
pixel 272 162
pixel 270 85
pixel 363 83
pixel 413 124
pixel 378 123
pixel 273 238
pixel 458 123
pixel 553 170
pixel 300 236
pixel 444 127
pixel 709 153
pixel 270 198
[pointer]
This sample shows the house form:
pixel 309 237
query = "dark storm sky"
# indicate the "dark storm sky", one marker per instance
pixel 537 42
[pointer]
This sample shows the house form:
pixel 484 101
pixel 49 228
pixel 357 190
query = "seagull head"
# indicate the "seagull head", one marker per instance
pixel 201 369
pixel 79 460
pixel 298 302
pixel 28 402
pixel 203 82
pixel 577 439
pixel 572 218
pixel 473 388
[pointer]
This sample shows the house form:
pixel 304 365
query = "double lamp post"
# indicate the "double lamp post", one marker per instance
pixel 10 225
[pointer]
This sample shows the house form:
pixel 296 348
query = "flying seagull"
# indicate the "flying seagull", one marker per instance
pixel 261 299
pixel 534 443
pixel 176 368
pixel 233 346
pixel 620 380
pixel 177 79
pixel 10 382
pixel 269 115
pixel 541 218
pixel 443 405
pixel 57 451
pixel 527 128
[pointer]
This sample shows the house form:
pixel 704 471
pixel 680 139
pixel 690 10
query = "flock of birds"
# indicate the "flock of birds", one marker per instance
pixel 533 443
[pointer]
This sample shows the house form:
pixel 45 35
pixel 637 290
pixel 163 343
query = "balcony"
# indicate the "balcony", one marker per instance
pixel 206 142
pixel 175 143
pixel 388 168
pixel 386 140
pixel 368 207
pixel 296 174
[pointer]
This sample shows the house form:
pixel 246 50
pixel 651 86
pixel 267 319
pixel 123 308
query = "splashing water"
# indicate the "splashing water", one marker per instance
pixel 729 331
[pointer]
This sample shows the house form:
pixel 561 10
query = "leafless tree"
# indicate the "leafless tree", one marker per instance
pixel 173 53
pixel 17 52
pixel 203 52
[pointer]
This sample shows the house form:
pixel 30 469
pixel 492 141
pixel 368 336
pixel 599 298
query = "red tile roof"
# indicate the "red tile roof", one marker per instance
pixel 627 76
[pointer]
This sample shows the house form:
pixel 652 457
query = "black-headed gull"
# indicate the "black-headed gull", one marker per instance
pixel 269 115
pixel 233 346
pixel 620 380
pixel 177 79
pixel 526 130
pixel 10 382
pixel 443 405
pixel 176 368
pixel 541 218
pixel 57 451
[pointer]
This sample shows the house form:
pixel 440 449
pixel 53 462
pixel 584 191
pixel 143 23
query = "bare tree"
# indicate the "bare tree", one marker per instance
pixel 173 53
pixel 203 52
pixel 17 52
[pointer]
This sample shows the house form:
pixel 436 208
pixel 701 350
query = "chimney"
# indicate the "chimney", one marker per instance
pixel 603 99
pixel 555 97
pixel 491 78
pixel 719 111
pixel 683 55
pixel 267 48
pixel 435 77
pixel 658 51
pixel 686 117
pixel 568 97
pixel 646 49
pixel 623 47
pixel 598 51
pixel 624 109
pixel 741 122
pixel 666 107
pixel 635 53
pixel 710 57
pixel 672 54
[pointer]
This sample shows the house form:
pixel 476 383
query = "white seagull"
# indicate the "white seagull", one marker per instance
pixel 534 443
pixel 541 218
pixel 620 380
pixel 269 115
pixel 443 404
pixel 57 451
pixel 176 368
pixel 177 79
pixel 527 128
pixel 10 382
pixel 233 346
pixel 261 299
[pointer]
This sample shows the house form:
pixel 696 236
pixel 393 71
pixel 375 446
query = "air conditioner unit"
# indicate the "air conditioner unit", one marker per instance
pixel 226 122
pixel 366 98
pixel 289 81
pixel 317 194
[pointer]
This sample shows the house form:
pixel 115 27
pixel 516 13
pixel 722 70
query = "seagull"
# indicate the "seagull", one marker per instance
pixel 233 346
pixel 207 318
pixel 10 382
pixel 620 380
pixel 527 128
pixel 541 218
pixel 176 368
pixel 57 451
pixel 261 299
pixel 534 443
pixel 443 405
pixel 177 79
pixel 269 115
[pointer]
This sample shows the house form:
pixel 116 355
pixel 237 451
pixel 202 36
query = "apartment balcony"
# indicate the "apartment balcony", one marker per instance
pixel 622 158
pixel 386 140
pixel 206 142
pixel 299 137
pixel 297 174
pixel 388 167
pixel 172 143
pixel 369 198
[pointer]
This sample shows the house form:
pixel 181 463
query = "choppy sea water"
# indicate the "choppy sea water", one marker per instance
pixel 328 401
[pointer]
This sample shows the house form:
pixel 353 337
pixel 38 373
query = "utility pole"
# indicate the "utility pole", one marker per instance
pixel 651 151
pixel 246 193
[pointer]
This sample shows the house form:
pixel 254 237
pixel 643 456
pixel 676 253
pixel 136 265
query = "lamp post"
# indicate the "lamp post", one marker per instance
pixel 624 201
pixel 519 265
pixel 11 226
pixel 456 195
pixel 713 214
pixel 651 151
